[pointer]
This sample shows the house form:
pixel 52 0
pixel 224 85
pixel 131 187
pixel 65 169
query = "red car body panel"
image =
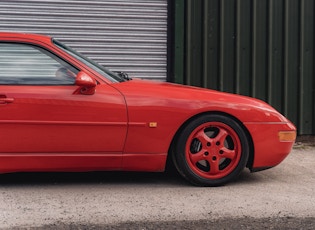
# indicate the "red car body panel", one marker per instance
pixel 172 105
pixel 123 126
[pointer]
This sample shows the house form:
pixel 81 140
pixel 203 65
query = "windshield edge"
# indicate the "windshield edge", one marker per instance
pixel 89 62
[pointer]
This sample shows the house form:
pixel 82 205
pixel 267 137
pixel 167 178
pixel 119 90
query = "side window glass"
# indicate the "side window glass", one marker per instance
pixel 22 64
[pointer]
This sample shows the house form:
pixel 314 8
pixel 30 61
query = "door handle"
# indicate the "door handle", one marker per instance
pixel 6 100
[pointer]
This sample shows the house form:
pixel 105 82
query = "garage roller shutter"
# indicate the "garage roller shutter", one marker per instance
pixel 128 36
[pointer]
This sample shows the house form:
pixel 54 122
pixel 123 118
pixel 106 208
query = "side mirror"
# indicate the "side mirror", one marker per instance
pixel 87 84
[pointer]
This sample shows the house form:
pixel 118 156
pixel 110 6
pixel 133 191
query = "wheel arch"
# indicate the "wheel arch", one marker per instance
pixel 249 137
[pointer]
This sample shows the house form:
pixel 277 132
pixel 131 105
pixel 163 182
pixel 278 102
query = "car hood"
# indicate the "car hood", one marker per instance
pixel 197 100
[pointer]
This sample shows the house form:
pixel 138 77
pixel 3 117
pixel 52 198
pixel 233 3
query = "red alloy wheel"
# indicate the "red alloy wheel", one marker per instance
pixel 213 150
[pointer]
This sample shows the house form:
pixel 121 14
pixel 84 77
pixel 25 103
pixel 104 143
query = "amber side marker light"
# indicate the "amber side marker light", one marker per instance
pixel 153 124
pixel 287 135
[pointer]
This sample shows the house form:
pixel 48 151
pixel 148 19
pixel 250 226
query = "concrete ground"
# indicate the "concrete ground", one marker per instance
pixel 278 198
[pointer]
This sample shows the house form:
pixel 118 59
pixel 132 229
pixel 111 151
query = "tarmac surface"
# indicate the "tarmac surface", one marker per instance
pixel 279 198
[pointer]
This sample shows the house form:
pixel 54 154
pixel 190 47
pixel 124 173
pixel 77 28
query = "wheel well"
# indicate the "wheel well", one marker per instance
pixel 250 140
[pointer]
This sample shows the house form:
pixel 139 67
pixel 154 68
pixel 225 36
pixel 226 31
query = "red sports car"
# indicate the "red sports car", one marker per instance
pixel 60 111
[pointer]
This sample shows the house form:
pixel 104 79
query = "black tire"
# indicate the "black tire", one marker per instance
pixel 211 150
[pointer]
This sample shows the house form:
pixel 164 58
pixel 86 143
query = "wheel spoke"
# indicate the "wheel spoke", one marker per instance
pixel 227 153
pixel 203 138
pixel 196 157
pixel 214 167
pixel 220 138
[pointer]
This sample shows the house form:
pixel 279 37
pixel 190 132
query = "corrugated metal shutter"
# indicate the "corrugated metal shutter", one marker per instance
pixel 123 35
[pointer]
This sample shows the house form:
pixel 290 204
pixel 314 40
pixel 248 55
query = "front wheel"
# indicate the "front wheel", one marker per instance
pixel 211 150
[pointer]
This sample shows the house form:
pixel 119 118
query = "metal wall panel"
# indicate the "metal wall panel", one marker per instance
pixel 123 35
pixel 260 48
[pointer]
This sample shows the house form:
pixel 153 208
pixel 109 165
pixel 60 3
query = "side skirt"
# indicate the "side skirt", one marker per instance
pixel 82 162
pixel 48 162
pixel 144 162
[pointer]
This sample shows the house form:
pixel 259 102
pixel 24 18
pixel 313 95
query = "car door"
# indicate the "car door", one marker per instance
pixel 41 111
